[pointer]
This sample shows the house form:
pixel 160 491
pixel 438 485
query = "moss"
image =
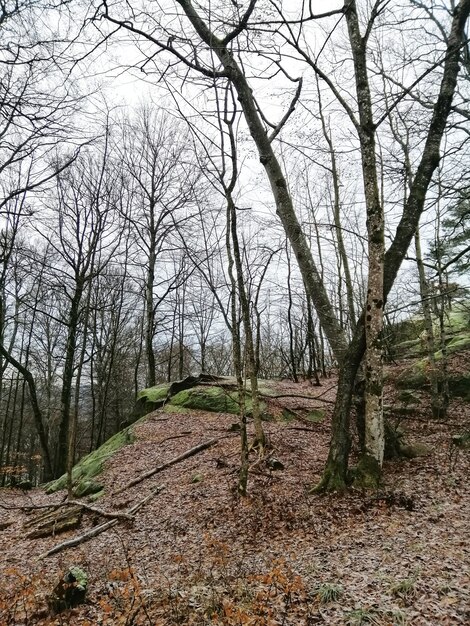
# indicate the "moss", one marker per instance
pixel 87 488
pixel 414 377
pixel 368 473
pixel 332 481
pixel 316 415
pixel 154 394
pixel 92 465
pixel 150 399
pixel 170 408
pixel 288 416
pixel 206 399
pixel 461 342
pixel 214 399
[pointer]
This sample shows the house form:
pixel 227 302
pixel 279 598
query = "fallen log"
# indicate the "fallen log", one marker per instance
pixel 97 530
pixel 160 468
pixel 53 522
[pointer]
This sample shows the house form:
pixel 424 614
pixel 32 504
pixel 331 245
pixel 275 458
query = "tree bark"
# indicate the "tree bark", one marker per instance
pixel 370 464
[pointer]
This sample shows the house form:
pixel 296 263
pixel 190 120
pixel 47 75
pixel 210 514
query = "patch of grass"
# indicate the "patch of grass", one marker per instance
pixel 404 589
pixel 329 592
pixel 376 617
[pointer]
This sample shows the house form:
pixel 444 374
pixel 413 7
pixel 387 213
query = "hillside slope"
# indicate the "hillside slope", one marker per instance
pixel 197 554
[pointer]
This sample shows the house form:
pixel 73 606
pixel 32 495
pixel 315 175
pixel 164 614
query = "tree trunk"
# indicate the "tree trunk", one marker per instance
pixel 60 463
pixel 370 464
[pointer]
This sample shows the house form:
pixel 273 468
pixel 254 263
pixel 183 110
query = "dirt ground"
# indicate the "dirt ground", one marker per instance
pixel 196 553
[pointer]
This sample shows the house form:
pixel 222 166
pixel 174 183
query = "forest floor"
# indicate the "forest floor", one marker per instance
pixel 198 554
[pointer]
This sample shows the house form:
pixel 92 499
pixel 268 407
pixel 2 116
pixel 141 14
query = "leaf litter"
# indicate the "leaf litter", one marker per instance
pixel 198 554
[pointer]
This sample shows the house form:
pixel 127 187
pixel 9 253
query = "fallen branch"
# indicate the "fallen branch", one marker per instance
pixel 55 507
pixel 95 509
pixel 160 468
pixel 97 530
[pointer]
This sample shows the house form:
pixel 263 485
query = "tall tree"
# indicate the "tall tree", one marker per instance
pixel 218 35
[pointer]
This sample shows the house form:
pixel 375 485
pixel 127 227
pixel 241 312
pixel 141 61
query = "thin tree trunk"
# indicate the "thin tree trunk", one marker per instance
pixel 369 467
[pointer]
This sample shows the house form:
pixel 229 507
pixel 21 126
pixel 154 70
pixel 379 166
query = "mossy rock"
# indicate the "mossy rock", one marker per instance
pixel 170 408
pixel 92 465
pixel 414 377
pixel 460 342
pixel 410 348
pixel 459 385
pixel 212 398
pixel 70 591
pixel 206 399
pixel 151 399
pixel 87 488
pixel 408 396
pixel 414 450
pixel 154 394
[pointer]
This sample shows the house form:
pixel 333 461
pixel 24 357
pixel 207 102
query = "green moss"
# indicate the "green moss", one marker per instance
pixel 92 465
pixel 316 415
pixel 170 408
pixel 206 399
pixel 460 342
pixel 414 377
pixel 86 488
pixel 288 416
pixel 216 399
pixel 154 394
pixel 368 473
